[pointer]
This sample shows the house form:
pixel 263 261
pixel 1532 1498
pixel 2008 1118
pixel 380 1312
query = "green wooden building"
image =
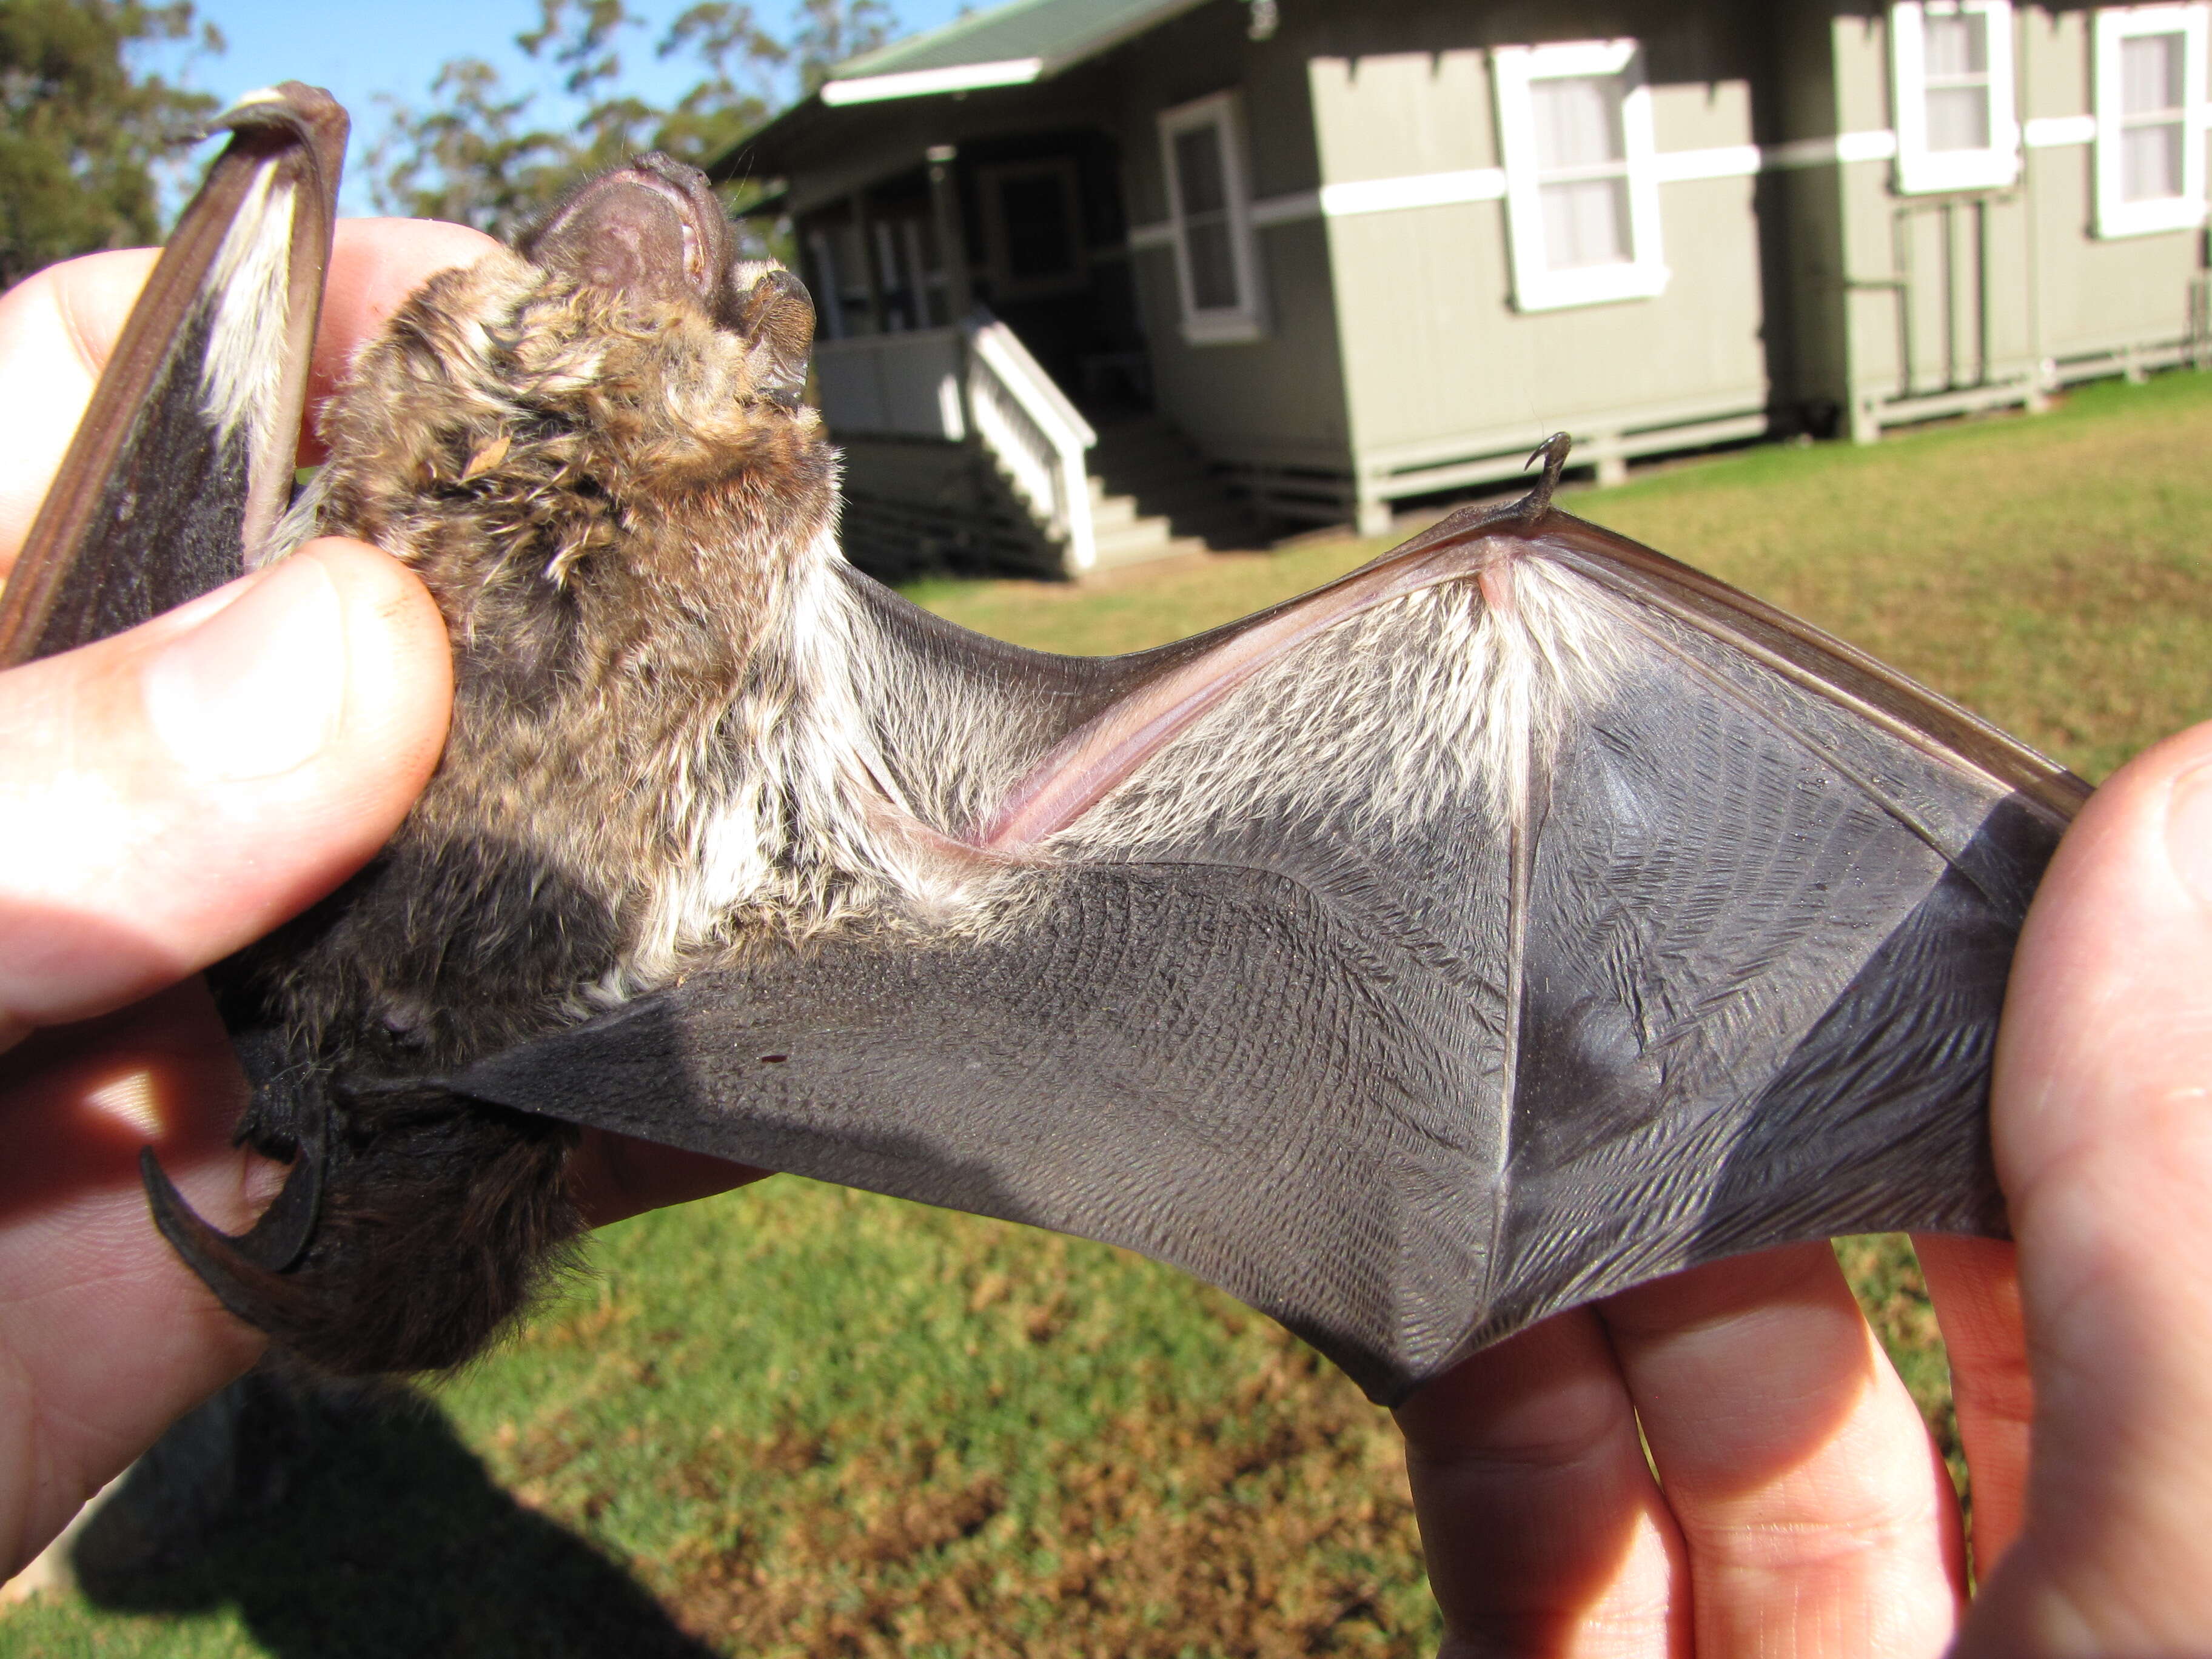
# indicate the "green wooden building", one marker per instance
pixel 1099 277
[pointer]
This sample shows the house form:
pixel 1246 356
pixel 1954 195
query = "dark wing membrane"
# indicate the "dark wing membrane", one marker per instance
pixel 1512 941
pixel 1773 893
pixel 183 461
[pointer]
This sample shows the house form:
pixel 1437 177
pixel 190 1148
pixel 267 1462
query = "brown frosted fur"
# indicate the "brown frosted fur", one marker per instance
pixel 608 492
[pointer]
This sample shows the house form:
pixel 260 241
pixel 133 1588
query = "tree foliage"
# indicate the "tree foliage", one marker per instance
pixel 479 155
pixel 84 138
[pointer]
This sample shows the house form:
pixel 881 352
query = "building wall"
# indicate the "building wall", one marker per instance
pixel 1278 400
pixel 1447 378
pixel 2092 295
pixel 1394 359
pixel 1952 302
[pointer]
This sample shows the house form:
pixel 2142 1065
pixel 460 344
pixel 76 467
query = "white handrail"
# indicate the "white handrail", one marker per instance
pixel 909 384
pixel 1027 422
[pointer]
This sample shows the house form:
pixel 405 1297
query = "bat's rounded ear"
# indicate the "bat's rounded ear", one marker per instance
pixel 777 316
pixel 620 236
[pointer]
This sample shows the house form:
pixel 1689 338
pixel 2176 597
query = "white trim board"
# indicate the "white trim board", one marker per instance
pixel 1357 197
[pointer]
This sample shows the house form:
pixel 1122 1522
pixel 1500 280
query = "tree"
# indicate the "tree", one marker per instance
pixel 84 140
pixel 476 157
pixel 830 31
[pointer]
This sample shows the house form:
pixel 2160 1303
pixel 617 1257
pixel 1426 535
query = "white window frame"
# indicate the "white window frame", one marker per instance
pixel 1920 170
pixel 2115 25
pixel 1536 286
pixel 1248 319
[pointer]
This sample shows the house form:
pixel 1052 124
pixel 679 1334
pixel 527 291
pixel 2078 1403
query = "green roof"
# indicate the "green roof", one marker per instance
pixel 1009 45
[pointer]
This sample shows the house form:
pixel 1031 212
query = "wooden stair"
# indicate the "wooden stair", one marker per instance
pixel 1152 496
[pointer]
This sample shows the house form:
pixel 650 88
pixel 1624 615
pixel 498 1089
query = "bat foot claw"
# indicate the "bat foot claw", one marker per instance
pixel 239 1269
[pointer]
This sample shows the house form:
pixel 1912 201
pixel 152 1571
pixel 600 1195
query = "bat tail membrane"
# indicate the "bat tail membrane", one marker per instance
pixel 183 461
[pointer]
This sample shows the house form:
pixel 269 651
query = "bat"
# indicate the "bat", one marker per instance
pixel 1520 917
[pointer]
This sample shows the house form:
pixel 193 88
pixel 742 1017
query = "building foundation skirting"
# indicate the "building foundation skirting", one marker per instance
pixel 1874 412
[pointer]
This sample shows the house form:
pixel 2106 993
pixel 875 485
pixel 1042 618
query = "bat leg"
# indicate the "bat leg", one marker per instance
pixel 239 1269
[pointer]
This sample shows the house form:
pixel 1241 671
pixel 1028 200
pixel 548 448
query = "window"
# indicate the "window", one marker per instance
pixel 1209 205
pixel 1951 61
pixel 1582 189
pixel 1033 224
pixel 2151 116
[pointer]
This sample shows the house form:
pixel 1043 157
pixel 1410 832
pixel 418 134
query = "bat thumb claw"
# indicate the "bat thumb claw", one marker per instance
pixel 1552 452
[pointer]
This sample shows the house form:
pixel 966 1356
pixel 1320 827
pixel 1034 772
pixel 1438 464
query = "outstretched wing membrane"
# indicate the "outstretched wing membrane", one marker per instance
pixel 1542 919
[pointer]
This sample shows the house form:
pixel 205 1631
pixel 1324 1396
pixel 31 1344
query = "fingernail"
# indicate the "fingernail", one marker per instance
pixel 2189 831
pixel 257 689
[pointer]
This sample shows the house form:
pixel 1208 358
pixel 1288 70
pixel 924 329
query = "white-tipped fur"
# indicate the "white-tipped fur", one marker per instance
pixel 241 379
pixel 1425 707
pixel 1461 702
pixel 798 821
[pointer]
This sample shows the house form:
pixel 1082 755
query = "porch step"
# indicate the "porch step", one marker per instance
pixel 1152 496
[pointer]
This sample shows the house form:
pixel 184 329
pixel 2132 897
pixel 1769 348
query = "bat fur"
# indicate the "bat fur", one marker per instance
pixel 675 741
pixel 704 778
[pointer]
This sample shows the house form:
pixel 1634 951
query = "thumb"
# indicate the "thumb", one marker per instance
pixel 173 793
pixel 2102 1112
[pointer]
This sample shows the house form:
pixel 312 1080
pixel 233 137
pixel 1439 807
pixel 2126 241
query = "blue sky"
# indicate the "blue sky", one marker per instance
pixel 395 47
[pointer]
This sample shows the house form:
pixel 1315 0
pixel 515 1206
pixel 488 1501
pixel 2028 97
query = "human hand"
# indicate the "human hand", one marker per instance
pixel 1798 1505
pixel 165 796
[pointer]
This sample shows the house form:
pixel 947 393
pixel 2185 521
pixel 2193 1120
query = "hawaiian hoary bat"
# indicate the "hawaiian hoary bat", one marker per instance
pixel 1518 918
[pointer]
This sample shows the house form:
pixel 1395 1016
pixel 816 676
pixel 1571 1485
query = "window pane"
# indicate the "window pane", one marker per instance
pixel 2150 162
pixel 1959 117
pixel 1957 45
pixel 1586 223
pixel 1577 121
pixel 2150 74
pixel 1039 241
pixel 1212 265
pixel 1199 171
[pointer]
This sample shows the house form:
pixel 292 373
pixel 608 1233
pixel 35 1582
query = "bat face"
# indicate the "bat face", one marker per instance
pixel 1520 917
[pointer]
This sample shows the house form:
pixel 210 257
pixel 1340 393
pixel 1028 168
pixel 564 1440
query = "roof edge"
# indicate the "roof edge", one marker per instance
pixel 920 83
pixel 857 67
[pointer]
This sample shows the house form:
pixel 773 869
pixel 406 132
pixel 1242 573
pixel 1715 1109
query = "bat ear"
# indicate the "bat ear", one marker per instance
pixel 777 315
pixel 183 461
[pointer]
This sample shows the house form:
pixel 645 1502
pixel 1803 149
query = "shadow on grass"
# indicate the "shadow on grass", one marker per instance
pixel 339 1528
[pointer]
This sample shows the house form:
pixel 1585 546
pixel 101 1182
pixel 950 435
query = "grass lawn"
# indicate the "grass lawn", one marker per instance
pixel 800 1421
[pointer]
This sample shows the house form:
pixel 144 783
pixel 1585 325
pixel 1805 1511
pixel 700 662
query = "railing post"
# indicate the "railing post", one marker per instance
pixel 1028 425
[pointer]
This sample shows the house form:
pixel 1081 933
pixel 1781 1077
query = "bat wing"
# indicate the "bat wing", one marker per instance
pixel 1523 917
pixel 187 444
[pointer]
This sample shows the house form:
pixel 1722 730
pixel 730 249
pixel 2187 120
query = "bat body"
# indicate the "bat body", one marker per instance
pixel 1519 917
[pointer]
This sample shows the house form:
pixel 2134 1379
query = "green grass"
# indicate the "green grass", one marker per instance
pixel 798 1420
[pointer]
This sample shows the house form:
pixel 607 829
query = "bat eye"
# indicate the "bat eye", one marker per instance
pixel 773 1060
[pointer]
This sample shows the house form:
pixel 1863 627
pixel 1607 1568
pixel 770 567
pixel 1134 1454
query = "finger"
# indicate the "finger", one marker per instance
pixel 57 326
pixel 1818 1515
pixel 2102 1119
pixel 1976 1290
pixel 106 1336
pixel 1543 1529
pixel 168 795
